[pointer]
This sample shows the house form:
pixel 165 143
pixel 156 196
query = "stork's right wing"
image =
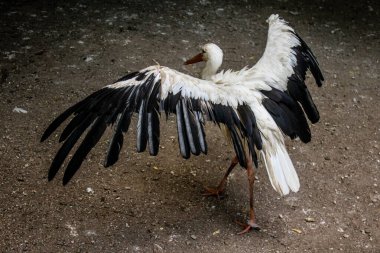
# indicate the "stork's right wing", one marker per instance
pixel 147 93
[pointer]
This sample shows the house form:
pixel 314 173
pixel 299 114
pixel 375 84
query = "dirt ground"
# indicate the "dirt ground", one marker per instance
pixel 54 54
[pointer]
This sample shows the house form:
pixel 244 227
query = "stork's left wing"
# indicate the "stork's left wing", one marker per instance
pixel 147 93
pixel 279 76
pixel 283 68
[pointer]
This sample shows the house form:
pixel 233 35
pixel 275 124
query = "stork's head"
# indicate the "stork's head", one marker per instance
pixel 212 55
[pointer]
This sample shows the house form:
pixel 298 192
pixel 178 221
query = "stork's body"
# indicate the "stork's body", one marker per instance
pixel 255 105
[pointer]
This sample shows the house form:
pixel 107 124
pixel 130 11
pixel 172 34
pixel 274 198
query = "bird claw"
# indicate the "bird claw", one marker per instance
pixel 247 227
pixel 216 192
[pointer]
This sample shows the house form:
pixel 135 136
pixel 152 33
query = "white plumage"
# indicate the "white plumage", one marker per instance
pixel 257 106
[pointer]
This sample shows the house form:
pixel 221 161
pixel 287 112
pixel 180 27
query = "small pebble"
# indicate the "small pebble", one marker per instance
pixel 296 230
pixel 216 232
pixel 19 110
pixel 157 248
pixel 309 219
pixel 374 197
pixel 88 58
pixel 89 190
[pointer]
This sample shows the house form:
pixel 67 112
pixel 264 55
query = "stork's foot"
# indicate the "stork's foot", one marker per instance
pixel 248 226
pixel 216 192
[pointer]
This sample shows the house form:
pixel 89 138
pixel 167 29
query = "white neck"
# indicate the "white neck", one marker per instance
pixel 212 66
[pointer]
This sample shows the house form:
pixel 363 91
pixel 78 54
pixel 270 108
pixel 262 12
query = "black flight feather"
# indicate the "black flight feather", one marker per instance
pixel 181 129
pixel 116 143
pixel 169 104
pixel 254 159
pixel 300 92
pixel 114 148
pixel 141 76
pixel 201 132
pixel 121 113
pixel 72 125
pixel 279 117
pixel 60 119
pixel 311 60
pixel 250 130
pixel 154 96
pixel 142 96
pixel 238 146
pixel 287 114
pixel 305 59
pixel 298 122
pixel 153 108
pixel 92 137
pixel 68 145
pixel 142 130
pixel 154 131
pixel 117 104
pixel 81 105
pixel 122 125
pixel 249 122
pixel 226 115
pixel 94 103
pixel 128 76
pixel 191 129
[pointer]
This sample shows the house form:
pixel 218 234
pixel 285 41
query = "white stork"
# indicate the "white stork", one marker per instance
pixel 256 106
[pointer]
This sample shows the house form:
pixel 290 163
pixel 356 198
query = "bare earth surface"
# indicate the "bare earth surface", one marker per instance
pixel 54 54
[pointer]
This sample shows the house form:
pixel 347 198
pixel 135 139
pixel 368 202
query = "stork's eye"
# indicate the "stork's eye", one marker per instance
pixel 203 51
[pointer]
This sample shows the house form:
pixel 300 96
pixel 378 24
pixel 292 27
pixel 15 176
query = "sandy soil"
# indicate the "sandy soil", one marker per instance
pixel 54 54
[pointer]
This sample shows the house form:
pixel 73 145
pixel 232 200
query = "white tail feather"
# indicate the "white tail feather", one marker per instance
pixel 281 172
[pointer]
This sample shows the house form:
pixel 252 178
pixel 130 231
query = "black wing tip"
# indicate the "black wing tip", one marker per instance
pixel 320 81
pixel 153 153
pixel 288 115
pixel 313 64
pixel 315 119
pixel 186 156
pixel 306 140
pixel 53 170
pixel 127 76
pixel 65 181
pixel 94 102
pixel 62 138
pixel 107 163
pixel 46 134
pixel 50 177
pixel 69 173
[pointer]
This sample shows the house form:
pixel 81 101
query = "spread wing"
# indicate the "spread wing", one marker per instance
pixel 283 67
pixel 147 93
pixel 279 78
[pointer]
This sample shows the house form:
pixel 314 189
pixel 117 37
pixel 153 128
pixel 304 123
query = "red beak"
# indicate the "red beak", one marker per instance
pixel 195 59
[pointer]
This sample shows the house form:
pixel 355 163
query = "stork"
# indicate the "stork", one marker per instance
pixel 255 107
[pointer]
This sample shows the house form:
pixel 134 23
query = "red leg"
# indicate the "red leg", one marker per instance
pixel 251 224
pixel 219 190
